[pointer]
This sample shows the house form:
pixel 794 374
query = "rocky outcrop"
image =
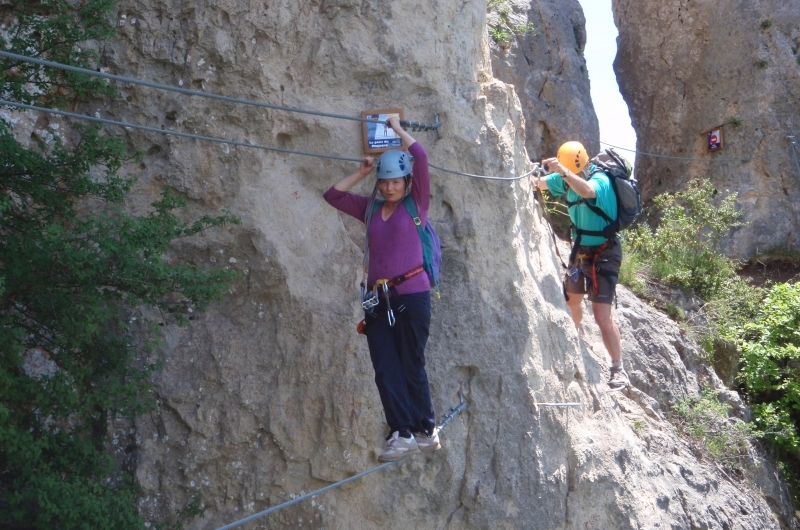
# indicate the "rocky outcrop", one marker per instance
pixel 687 66
pixel 269 394
pixel 542 56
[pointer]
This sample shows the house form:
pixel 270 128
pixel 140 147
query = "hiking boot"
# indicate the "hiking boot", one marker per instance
pixel 428 443
pixel 619 379
pixel 398 447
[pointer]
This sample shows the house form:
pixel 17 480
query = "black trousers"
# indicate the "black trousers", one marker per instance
pixel 398 357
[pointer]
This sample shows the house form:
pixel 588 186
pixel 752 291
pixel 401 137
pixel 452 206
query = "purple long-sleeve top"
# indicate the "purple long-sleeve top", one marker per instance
pixel 394 244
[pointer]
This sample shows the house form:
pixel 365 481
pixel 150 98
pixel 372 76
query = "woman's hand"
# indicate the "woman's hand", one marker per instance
pixel 367 165
pixel 394 123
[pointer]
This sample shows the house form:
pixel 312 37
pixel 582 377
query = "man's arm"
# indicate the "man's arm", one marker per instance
pixel 576 182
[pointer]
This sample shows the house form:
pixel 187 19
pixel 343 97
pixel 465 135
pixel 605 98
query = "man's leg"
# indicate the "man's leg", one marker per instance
pixel 608 329
pixel 575 304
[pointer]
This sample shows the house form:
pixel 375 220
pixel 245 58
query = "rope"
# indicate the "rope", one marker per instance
pixel 447 419
pixel 415 126
pixel 221 140
pixel 538 197
pixel 773 153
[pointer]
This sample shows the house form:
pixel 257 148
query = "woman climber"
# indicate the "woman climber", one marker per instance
pixel 397 303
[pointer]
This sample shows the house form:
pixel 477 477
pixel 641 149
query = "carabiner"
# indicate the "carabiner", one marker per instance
pixel 389 312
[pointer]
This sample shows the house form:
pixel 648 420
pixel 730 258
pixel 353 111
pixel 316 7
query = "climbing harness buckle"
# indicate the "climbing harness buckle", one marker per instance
pixel 384 284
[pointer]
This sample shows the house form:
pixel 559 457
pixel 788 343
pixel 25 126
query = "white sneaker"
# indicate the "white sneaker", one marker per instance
pixel 398 447
pixel 619 379
pixel 428 443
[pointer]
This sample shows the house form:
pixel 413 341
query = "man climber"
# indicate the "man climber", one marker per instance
pixel 595 260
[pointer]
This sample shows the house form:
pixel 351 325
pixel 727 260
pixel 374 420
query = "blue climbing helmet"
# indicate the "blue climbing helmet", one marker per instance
pixel 393 165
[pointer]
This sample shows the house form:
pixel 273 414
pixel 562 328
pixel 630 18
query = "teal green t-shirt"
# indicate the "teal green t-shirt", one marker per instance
pixel 580 214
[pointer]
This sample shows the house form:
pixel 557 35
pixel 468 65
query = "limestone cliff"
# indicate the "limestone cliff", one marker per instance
pixel 543 58
pixel 269 394
pixel 685 67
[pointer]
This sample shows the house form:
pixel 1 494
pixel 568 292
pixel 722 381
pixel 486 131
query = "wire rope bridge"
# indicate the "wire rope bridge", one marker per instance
pixel 413 126
pixel 452 413
pixel 455 411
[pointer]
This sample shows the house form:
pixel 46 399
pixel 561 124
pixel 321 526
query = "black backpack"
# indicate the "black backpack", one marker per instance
pixel 629 206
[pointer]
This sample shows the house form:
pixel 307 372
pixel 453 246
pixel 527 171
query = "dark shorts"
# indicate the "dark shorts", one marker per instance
pixel 607 262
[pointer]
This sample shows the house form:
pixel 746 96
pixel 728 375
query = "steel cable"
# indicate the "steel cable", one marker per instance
pixel 221 140
pixel 455 411
pixel 773 153
pixel 171 88
pixel 172 133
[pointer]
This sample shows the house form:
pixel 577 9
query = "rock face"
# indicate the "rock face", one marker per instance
pixel 543 59
pixel 269 394
pixel 686 67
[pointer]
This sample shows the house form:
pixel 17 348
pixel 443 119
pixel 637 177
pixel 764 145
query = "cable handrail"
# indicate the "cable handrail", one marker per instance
pixel 200 93
pixel 654 155
pixel 214 139
pixel 171 133
pixel 484 177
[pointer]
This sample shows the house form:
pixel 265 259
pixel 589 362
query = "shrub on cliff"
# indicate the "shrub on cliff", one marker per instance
pixel 770 370
pixel 73 264
pixel 685 251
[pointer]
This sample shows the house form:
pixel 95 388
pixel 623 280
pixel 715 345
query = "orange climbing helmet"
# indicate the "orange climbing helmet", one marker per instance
pixel 573 156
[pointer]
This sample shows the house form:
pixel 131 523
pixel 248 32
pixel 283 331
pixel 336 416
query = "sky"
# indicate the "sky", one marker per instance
pixel 601 48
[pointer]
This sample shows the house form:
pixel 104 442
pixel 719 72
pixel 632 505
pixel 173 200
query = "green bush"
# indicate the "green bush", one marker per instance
pixel 73 266
pixel 501 36
pixel 706 420
pixel 500 28
pixel 770 365
pixel 770 370
pixel 685 251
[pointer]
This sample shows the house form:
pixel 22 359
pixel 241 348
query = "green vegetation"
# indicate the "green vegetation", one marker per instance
pixel 501 29
pixel 706 421
pixel 685 252
pixel 734 121
pixel 761 63
pixel 766 24
pixel 501 36
pixel 770 368
pixel 558 214
pixel 73 266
